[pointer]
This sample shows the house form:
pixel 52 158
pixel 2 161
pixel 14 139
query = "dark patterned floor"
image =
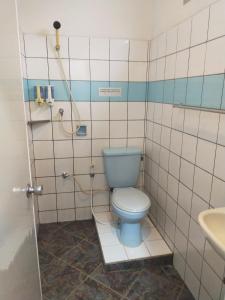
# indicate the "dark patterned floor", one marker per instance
pixel 72 268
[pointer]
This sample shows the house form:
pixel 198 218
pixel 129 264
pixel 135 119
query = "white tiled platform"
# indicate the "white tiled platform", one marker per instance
pixel 113 251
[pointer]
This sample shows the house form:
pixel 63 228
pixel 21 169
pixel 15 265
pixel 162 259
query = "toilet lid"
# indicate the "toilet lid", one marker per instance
pixel 130 199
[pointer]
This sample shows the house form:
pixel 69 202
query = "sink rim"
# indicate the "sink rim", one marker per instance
pixel 220 246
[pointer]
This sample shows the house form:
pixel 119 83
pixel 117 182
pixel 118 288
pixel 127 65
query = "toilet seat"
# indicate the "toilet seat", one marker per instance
pixel 130 199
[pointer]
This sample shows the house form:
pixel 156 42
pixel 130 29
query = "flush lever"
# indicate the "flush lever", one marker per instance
pixel 29 190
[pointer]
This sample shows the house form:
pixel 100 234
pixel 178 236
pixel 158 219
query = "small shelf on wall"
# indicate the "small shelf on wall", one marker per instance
pixel 35 122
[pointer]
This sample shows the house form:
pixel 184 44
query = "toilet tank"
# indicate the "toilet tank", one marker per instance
pixel 122 166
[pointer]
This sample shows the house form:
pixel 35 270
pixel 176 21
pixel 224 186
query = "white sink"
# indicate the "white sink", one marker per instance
pixel 212 222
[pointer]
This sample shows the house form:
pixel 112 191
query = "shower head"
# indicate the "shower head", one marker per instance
pixel 57 25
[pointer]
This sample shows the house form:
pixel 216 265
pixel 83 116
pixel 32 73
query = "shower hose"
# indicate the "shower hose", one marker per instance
pixel 71 132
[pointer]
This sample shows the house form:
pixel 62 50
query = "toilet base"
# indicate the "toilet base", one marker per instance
pixel 130 234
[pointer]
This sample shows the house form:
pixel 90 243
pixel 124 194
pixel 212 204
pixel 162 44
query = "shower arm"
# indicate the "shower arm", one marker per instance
pixel 57 26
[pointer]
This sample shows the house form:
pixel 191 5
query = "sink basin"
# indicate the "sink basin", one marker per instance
pixel 212 222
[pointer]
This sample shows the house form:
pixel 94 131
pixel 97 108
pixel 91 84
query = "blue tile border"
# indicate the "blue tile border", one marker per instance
pixel 206 91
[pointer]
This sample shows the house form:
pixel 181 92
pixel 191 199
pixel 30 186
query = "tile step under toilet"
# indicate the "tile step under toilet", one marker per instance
pixel 113 251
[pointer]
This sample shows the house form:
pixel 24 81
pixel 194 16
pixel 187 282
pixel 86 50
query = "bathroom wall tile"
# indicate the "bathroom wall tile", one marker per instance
pixel 200 27
pixel 83 213
pixel 180 90
pixel 119 49
pixel 212 91
pixel 124 90
pixel 217 194
pixel 63 165
pixel 79 70
pixel 82 199
pixel 202 184
pixel 186 173
pixel 196 236
pixel 47 202
pixel 79 47
pixel 192 282
pixel 156 91
pixel 51 43
pixel 198 205
pixel 66 215
pixel 194 260
pixel 44 167
pixel 118 71
pixel 184 35
pixel 165 137
pixel 217 23
pixel 197 60
pixel 205 155
pixel 211 281
pixel 194 91
pixel 82 148
pixel 219 162
pixel 152 70
pixel 167 111
pixel 63 149
pixel 37 68
pixel 81 90
pixel 215 60
pixel 136 110
pixel 98 145
pixel 221 131
pixel 100 129
pixel 82 165
pixel 48 217
pixel 66 106
pixel 160 71
pixel 179 263
pixel 48 184
pixel 118 111
pixel 185 197
pixel 84 111
pixel 191 121
pixel 170 66
pixel 100 111
pixel 35 45
pixel 135 128
pixel 171 41
pixel 43 149
pixel 203 294
pixel 95 85
pixel 208 126
pixel 55 72
pixel 138 50
pixel 182 64
pixel 137 71
pixel 182 221
pixel 60 90
pixel 176 142
pixel 189 146
pixel 42 133
pixel 180 242
pixel 174 165
pixel 99 49
pixel 214 260
pixel 118 129
pixel 99 70
pixel 178 118
pixel 59 132
pixel 169 91
pixel 64 185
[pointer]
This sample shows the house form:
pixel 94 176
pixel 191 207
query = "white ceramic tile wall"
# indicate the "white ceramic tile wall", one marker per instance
pixel 184 171
pixel 108 123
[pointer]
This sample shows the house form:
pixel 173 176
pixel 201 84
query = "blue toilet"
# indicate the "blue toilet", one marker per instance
pixel 131 205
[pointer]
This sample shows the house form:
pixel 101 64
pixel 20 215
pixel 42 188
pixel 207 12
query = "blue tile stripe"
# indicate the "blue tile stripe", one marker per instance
pixel 89 90
pixel 206 91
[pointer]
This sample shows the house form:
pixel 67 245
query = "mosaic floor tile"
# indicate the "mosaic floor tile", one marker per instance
pixel 91 290
pixel 86 256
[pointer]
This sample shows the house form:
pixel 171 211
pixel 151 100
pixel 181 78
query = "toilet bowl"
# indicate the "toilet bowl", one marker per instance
pixel 131 206
pixel 122 166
